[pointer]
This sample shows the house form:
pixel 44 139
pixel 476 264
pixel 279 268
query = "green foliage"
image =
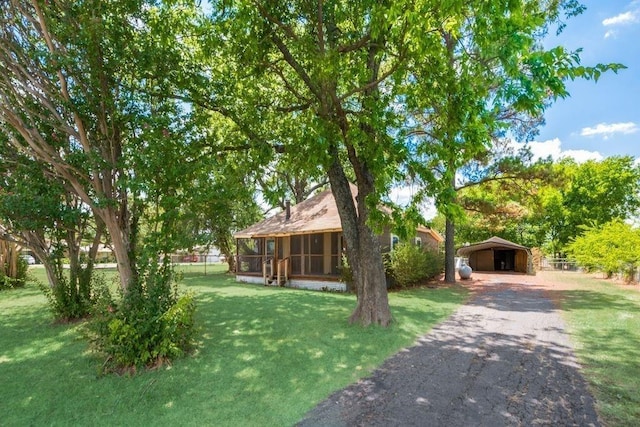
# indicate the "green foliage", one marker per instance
pixel 410 265
pixel 549 212
pixel 611 248
pixel 346 274
pixel 146 327
pixel 600 191
pixel 72 298
pixel 20 278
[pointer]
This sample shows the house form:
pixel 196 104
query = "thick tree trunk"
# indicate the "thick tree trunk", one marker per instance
pixel 449 252
pixel 363 251
pixel 225 246
pixel 369 280
pixel 121 249
pixel 50 269
pixel 9 259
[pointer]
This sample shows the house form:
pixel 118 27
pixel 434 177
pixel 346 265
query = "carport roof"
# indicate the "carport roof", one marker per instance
pixel 492 243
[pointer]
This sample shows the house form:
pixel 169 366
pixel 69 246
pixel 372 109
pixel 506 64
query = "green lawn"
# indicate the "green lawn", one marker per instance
pixel 604 321
pixel 267 356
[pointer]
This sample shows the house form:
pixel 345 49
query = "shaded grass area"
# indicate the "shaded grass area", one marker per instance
pixel 604 321
pixel 267 356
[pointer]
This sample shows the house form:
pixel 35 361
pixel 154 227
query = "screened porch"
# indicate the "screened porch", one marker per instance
pixel 317 255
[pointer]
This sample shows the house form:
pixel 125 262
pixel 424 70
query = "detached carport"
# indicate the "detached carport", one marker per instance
pixel 496 254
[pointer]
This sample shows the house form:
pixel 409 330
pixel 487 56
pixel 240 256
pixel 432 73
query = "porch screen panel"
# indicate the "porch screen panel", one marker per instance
pixel 280 247
pixel 250 255
pixel 296 254
pixel 314 243
pixel 336 253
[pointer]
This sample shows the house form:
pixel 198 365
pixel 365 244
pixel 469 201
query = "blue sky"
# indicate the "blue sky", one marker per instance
pixel 598 119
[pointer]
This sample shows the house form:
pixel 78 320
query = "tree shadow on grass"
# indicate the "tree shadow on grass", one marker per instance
pixel 290 345
pixel 606 327
pixel 266 356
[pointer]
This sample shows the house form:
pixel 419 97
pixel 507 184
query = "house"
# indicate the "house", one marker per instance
pixel 302 246
pixel 496 254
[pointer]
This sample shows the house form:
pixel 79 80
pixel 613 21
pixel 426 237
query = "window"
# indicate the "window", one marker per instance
pixel 314 247
pixel 296 245
pixel 271 248
pixel 296 254
pixel 418 242
pixel 250 246
pixel 316 244
pixel 395 240
pixel 336 253
pixel 250 255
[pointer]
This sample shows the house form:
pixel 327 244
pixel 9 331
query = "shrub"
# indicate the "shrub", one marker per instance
pixel 409 265
pixel 146 327
pixel 7 282
pixel 69 301
pixel 346 275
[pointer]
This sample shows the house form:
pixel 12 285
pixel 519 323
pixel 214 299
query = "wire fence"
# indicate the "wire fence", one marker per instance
pixel 558 264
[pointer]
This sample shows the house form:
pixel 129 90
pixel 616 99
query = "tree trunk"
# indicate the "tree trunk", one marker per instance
pixel 225 246
pixel 49 268
pixel 9 255
pixel 363 251
pixel 449 252
pixel 369 280
pixel 121 247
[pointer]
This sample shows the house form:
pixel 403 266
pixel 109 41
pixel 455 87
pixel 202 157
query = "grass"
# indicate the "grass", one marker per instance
pixel 604 321
pixel 267 356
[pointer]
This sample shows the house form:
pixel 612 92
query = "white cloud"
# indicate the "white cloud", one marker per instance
pixel 582 156
pixel 610 33
pixel 621 19
pixel 402 196
pixel 608 129
pixel 544 149
pixel 553 148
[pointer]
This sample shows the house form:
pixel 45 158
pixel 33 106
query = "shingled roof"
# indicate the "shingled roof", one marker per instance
pixel 318 214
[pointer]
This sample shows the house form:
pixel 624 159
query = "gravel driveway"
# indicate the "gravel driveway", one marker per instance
pixel 501 359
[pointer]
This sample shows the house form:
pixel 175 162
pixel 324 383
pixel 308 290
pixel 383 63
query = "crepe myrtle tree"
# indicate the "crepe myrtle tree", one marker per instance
pixel 39 213
pixel 76 94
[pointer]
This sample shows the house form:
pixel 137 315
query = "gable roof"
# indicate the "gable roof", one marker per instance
pixel 318 214
pixel 314 215
pixel 492 243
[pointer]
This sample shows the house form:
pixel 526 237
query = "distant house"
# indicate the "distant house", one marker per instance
pixel 302 246
pixel 497 254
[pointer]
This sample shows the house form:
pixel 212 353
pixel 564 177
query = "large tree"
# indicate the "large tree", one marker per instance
pixel 585 195
pixel 329 73
pixel 549 213
pixel 59 67
pixel 78 93
pixel 494 79
pixel 338 80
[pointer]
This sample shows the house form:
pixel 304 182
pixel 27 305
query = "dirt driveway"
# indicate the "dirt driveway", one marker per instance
pixel 501 359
